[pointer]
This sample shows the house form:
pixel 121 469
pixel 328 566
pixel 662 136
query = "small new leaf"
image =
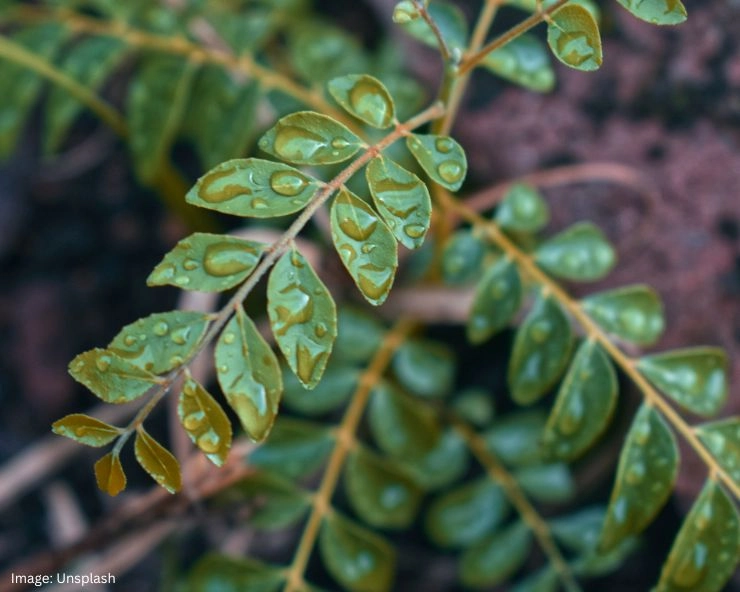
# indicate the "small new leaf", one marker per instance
pixel 86 430
pixel 657 12
pixel 441 157
pixel 574 38
pixel 365 97
pixel 156 460
pixel 497 299
pixel 109 474
pixel 493 560
pixel 580 253
pixel 722 438
pixel 205 422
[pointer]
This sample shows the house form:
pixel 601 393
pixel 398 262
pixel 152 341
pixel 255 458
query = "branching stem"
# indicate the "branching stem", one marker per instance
pixel 444 50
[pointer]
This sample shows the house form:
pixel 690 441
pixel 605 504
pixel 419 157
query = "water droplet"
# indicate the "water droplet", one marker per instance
pixel 190 264
pixel 374 282
pixel 572 417
pixel 444 145
pixel 103 363
pixel 393 496
pixel 288 183
pixel 182 280
pixel 164 273
pixel 213 189
pixel 450 171
pixel 642 432
pixel 223 368
pixel 307 361
pixel 80 431
pixel 297 144
pixel 704 517
pixel 540 331
pixel 193 420
pixel 209 442
pixel 228 338
pixel 636 473
pixel 320 330
pixel 176 361
pixel 348 253
pixel 161 328
pixel 339 143
pixel 414 230
pixel 367 248
pixel 357 223
pixel 371 103
pixel 224 259
pixel 180 336
pixel 129 340
pixel 574 48
pixel 259 204
pixel 691 567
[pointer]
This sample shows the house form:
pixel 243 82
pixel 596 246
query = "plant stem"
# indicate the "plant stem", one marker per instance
pixel 345 437
pixel 444 50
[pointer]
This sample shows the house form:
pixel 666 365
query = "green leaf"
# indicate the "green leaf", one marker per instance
pixel 584 405
pixel 594 564
pixel 498 297
pixel 86 430
pixel 401 427
pixel 524 61
pixel 359 336
pixel 162 341
pixel 357 558
pixel 205 422
pixel 296 448
pixel 696 378
pixel 249 375
pixel 573 36
pixel 365 245
pixel 335 388
pixel 425 368
pixel 543 580
pixel 89 61
pixel 475 406
pixel 657 12
pixel 109 377
pixel 380 493
pixel 157 98
pixel 449 19
pixel 441 157
pixel 493 560
pixel 320 52
pixel 522 209
pixel 218 573
pixel 646 474
pixel 580 253
pixel 707 548
pixel 465 515
pixel 443 465
pixel 310 138
pixel 633 313
pixel 109 474
pixel 722 439
pixel 462 257
pixel 548 484
pixel 207 263
pixel 541 351
pixel 156 460
pixel 531 5
pixel 252 187
pixel 365 97
pixel 303 316
pixel 580 531
pixel 402 199
pixel 515 438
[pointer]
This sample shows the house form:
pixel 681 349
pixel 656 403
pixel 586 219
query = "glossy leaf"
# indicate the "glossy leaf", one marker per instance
pixel 695 378
pixel 380 493
pixel 541 351
pixel 227 574
pixel 515 438
pixel 523 209
pixel 633 313
pixel 524 61
pixel 574 38
pixel 249 375
pixel 467 514
pixel 657 12
pixel 584 405
pixel 365 97
pixel 646 474
pixel 109 474
pixel 252 187
pixel 449 19
pixel 401 427
pixel 443 465
pixel 110 377
pixel 402 199
pixel 204 421
pixel 156 460
pixel 425 368
pixel 302 315
pixel 310 138
pixel 441 157
pixel 86 430
pixel 549 484
pixel 335 388
pixel 498 297
pixel 207 263
pixel 162 341
pixel 359 336
pixel 580 253
pixel 722 438
pixel 462 257
pixel 357 558
pixel 493 560
pixel 366 246
pixel 707 548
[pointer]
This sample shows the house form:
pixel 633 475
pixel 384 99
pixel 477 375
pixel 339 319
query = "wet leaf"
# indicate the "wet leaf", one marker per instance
pixel 303 316
pixel 204 421
pixel 357 558
pixel 207 263
pixel 584 405
pixel 162 341
pixel 335 388
pixel 524 61
pixel 462 258
pixel 310 138
pixel 633 313
pixel 365 97
pixel 657 12
pixel 365 245
pixel 86 430
pixel 466 514
pixel 380 493
pixel 109 474
pixel 359 336
pixel 722 438
pixel 498 297
pixel 580 253
pixel 156 460
pixel 574 38
pixel 696 378
pixel 443 465
pixel 249 375
pixel 645 477
pixel 252 187
pixel 515 438
pixel 425 368
pixel 707 548
pixel 110 377
pixel 523 209
pixel 402 199
pixel 548 484
pixel 449 19
pixel 441 157
pixel 493 560
pixel 218 573
pixel 541 351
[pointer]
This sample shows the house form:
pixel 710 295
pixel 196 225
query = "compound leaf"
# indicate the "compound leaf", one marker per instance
pixel 425 368
pixel 522 209
pixel 494 559
pixel 722 438
pixel 441 157
pixel 156 460
pixel 86 430
pixel 109 474
pixel 574 38
pixel 657 12
pixel 497 299
pixel 205 421
pixel 580 253
pixel 524 61
pixel 365 97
